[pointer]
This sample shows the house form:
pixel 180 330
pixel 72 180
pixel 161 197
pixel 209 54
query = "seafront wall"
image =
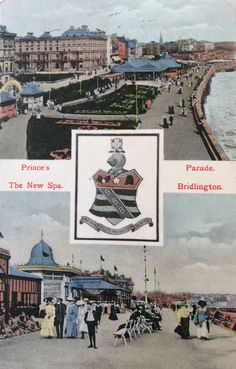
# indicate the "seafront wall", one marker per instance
pixel 212 143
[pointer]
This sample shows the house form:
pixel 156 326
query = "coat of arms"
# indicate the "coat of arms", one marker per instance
pixel 116 193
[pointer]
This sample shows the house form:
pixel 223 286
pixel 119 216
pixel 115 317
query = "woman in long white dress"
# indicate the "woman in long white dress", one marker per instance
pixel 83 328
pixel 47 326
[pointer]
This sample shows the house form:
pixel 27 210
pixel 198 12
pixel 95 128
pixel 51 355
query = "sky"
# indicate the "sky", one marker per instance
pixel 213 20
pixel 199 250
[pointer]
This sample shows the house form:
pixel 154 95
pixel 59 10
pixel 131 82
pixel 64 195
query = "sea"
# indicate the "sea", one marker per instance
pixel 220 110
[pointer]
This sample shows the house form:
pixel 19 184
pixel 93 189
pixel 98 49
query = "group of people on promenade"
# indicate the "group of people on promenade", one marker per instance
pixel 150 312
pixel 181 82
pixel 75 319
pixel 198 314
pixel 17 325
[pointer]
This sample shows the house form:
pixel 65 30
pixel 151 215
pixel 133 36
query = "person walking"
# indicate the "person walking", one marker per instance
pixel 182 315
pixel 47 327
pixel 91 321
pixel 201 320
pixel 99 312
pixel 60 312
pixel 171 119
pixel 83 328
pixel 71 320
pixel 113 315
pixel 165 123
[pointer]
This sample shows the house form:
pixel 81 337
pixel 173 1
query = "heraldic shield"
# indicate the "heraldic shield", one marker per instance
pixel 116 195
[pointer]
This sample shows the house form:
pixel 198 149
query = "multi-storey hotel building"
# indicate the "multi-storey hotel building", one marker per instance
pixel 77 49
pixel 7 48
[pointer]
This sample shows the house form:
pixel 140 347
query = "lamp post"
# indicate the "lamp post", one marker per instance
pixel 136 102
pixel 155 283
pixel 145 273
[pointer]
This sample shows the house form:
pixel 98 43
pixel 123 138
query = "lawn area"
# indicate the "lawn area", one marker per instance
pixel 45 135
pixel 122 101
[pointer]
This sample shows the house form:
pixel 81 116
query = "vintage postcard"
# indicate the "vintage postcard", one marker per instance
pixel 117 135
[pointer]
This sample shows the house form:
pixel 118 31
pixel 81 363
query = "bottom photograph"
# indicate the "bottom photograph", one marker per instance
pixel 82 306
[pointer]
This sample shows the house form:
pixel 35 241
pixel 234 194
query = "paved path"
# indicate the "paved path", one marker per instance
pixel 65 82
pixel 102 94
pixel 13 138
pixel 181 142
pixel 162 350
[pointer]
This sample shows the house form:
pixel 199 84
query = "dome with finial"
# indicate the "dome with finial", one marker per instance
pixel 42 254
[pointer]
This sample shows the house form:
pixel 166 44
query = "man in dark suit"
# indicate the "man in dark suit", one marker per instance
pixel 98 312
pixel 90 319
pixel 60 312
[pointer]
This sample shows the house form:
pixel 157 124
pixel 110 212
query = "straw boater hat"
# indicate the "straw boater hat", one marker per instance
pixel 80 302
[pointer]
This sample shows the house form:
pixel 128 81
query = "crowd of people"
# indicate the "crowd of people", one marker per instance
pixel 180 84
pixel 75 319
pixel 150 312
pixel 16 325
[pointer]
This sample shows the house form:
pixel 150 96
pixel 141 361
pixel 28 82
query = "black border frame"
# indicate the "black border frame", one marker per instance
pixel 76 237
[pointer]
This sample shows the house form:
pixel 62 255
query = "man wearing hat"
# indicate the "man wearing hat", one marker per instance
pixel 60 312
pixel 91 321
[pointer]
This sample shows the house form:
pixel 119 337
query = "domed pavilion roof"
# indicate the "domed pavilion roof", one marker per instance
pixel 42 254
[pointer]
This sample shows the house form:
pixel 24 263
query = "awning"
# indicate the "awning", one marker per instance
pixel 82 283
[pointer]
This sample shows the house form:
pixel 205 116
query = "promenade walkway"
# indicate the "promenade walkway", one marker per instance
pixel 181 141
pixel 162 350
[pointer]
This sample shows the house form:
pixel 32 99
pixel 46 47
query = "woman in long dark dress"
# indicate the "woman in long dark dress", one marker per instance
pixel 113 315
pixel 183 314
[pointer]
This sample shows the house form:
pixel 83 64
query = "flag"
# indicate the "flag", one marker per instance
pixel 101 258
pixel 1 235
pixel 115 268
pixel 155 271
pixel 45 254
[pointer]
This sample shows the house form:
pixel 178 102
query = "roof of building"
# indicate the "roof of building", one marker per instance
pixel 5 97
pixel 58 269
pixel 83 32
pixel 94 283
pixel 31 89
pixel 46 34
pixel 3 28
pixel 29 36
pixel 42 254
pixel 13 272
pixel 153 43
pixel 143 65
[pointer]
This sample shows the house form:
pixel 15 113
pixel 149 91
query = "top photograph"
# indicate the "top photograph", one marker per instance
pixel 73 65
